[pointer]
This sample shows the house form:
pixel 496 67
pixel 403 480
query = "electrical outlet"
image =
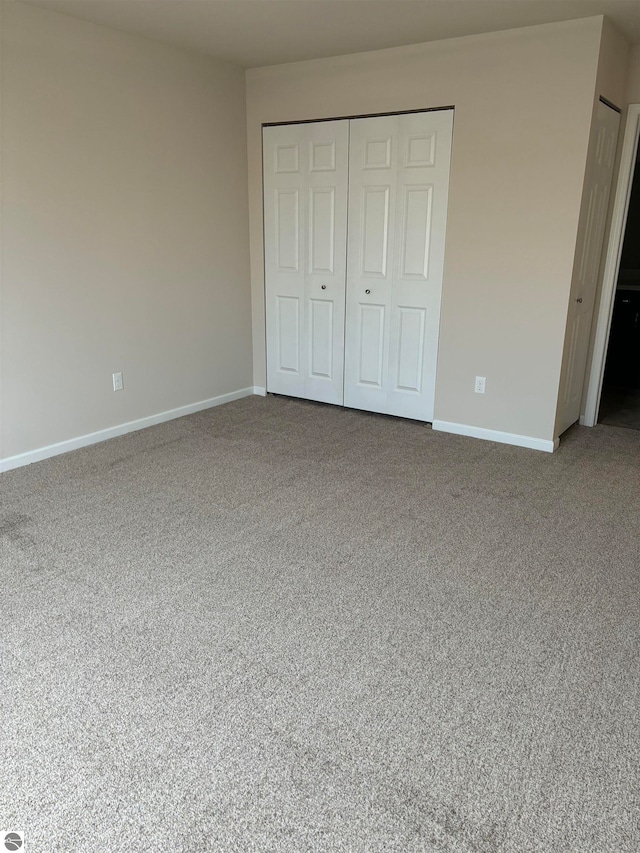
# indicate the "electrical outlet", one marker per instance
pixel 118 383
pixel 480 383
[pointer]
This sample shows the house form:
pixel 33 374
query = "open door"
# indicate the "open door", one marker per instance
pixel 584 285
pixel 629 154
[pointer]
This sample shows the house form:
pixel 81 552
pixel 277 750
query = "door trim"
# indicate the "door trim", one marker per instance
pixel 612 265
pixel 361 115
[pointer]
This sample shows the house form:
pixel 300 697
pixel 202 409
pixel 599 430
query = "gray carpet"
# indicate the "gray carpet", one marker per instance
pixel 280 626
pixel 620 407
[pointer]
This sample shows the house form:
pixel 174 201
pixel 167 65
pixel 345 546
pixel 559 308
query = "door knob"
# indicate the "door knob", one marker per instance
pixel 323 287
pixel 579 299
pixel 367 291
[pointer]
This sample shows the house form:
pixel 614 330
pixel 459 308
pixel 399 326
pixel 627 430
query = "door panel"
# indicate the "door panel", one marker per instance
pixel 371 334
pixel 398 189
pixel 321 339
pixel 305 220
pixel 586 271
pixel 416 231
pixel 322 206
pixel 287 158
pixel 287 230
pixel 375 231
pixel 288 334
pixel 410 349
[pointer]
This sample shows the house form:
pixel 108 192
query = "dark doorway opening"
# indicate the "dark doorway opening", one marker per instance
pixel 620 402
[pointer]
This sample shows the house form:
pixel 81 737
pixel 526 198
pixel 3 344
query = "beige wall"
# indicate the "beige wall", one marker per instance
pixel 633 77
pixel 124 229
pixel 613 66
pixel 523 101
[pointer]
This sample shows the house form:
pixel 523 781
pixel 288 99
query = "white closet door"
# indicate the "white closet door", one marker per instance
pixel 398 188
pixel 305 221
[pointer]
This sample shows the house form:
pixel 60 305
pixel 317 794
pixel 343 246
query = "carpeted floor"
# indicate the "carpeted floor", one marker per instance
pixel 620 407
pixel 280 626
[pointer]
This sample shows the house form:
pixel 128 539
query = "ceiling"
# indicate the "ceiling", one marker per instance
pixel 267 32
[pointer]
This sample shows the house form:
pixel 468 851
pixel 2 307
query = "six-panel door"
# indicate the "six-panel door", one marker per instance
pixel 381 356
pixel 398 188
pixel 305 223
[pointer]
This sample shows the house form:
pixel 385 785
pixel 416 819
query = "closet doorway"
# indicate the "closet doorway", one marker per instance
pixel 355 218
pixel 613 339
pixel 620 401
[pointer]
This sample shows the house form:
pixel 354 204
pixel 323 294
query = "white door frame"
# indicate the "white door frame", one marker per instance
pixel 612 265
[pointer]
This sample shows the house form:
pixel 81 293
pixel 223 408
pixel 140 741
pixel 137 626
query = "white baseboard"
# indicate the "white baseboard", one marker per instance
pixel 259 390
pixel 121 429
pixel 496 435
